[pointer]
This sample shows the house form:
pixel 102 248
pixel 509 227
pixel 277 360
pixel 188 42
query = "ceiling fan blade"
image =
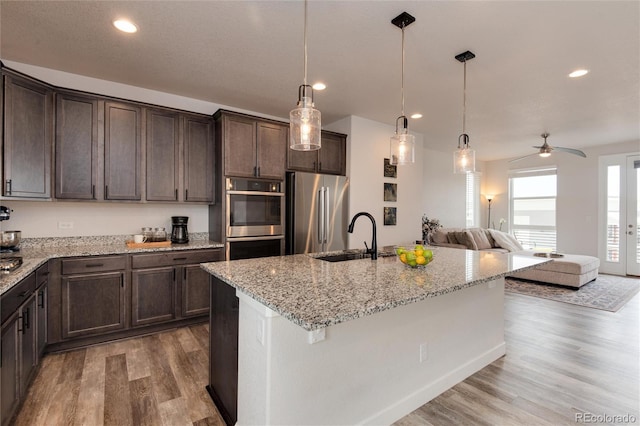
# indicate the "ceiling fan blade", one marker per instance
pixel 537 147
pixel 522 158
pixel 570 150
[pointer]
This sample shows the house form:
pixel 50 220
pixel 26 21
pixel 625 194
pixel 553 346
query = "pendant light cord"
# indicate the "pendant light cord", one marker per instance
pixel 305 42
pixel 402 81
pixel 464 99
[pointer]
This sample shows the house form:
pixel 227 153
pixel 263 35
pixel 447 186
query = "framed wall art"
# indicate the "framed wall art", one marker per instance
pixel 390 215
pixel 389 169
pixel 390 191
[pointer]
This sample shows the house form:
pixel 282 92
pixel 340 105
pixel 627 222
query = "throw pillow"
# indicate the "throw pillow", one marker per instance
pixel 439 237
pixel 465 238
pixel 480 237
pixel 451 238
pixel 506 241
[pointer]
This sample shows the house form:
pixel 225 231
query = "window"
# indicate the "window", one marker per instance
pixel 613 213
pixel 532 207
pixel 472 204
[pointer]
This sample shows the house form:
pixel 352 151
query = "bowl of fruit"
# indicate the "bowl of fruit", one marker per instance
pixel 414 257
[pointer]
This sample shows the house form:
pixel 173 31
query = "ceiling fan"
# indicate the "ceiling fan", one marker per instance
pixel 545 150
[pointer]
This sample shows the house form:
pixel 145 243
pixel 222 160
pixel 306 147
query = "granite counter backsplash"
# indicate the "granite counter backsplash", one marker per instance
pixel 37 251
pixel 313 293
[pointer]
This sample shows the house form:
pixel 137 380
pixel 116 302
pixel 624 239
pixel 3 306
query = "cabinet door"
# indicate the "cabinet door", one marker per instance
pixel 195 291
pixel 272 146
pixel 122 151
pixel 92 304
pixel 41 320
pixel 28 138
pixel 239 146
pixel 9 369
pixel 162 155
pixel 76 147
pixel 198 159
pixel 28 354
pixel 333 155
pixel 153 295
pixel 302 161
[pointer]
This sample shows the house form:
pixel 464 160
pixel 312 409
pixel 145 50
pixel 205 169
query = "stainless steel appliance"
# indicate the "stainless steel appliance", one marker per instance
pixel 316 213
pixel 254 218
pixel 255 208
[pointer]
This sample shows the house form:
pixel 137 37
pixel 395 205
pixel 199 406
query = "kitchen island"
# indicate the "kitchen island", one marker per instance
pixel 354 342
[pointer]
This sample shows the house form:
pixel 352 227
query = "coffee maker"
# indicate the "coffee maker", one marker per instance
pixel 179 233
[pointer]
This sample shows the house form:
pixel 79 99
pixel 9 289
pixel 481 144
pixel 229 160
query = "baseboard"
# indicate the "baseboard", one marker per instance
pixel 421 396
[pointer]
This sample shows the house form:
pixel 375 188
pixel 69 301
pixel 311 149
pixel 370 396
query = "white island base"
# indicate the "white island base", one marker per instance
pixel 367 370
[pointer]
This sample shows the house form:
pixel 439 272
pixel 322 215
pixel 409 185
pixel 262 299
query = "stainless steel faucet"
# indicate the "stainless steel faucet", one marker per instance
pixel 374 241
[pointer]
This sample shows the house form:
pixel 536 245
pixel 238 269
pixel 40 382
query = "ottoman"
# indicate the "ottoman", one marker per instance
pixel 572 270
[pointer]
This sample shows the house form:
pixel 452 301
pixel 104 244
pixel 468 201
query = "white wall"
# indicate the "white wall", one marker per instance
pixel 367 147
pixel 577 198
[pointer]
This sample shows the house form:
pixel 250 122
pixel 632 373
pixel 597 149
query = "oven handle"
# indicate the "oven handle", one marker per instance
pixel 274 194
pixel 267 237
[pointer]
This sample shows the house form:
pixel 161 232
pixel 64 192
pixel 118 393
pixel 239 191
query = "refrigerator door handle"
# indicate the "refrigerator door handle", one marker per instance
pixel 327 218
pixel 321 215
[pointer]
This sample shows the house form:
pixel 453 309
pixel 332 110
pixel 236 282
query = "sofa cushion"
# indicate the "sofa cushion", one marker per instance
pixel 505 240
pixel 480 237
pixel 465 237
pixel 439 237
pixel 490 238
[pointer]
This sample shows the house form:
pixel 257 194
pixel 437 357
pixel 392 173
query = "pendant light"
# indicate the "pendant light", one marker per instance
pixel 304 127
pixel 464 158
pixel 402 143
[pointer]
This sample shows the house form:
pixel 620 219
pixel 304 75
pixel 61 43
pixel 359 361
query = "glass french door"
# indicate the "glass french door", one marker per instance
pixel 620 212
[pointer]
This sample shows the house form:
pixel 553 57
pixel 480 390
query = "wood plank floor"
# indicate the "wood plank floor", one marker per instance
pixel 562 360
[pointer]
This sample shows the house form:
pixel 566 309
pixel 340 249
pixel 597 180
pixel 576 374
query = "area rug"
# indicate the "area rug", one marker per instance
pixel 607 292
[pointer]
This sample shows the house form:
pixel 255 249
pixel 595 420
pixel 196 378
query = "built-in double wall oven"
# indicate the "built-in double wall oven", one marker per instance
pixel 254 218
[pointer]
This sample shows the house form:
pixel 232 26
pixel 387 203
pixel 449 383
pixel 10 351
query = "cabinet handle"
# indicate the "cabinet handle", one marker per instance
pixel 23 294
pixel 93 265
pixel 179 258
pixel 186 194
pixel 184 274
pixel 176 194
pixel 319 165
pixel 106 191
pixel 41 299
pixel 174 275
pixel 258 171
pixel 26 321
pixel 21 323
pixel 93 192
pixel 255 171
pixel 8 186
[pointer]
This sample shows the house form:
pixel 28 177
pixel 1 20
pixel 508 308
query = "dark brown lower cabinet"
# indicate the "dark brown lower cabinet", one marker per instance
pixel 195 291
pixel 92 304
pixel 153 295
pixel 18 345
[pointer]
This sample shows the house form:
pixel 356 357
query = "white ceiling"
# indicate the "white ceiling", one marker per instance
pixel 249 55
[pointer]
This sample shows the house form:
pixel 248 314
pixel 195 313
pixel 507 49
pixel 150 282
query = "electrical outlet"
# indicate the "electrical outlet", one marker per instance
pixel 65 225
pixel 423 352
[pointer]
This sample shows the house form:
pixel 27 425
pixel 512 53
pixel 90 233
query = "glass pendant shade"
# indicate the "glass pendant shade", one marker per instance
pixel 402 148
pixel 304 127
pixel 464 158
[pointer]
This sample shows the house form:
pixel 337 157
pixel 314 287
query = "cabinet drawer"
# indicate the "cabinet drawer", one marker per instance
pixel 13 298
pixel 93 264
pixel 174 258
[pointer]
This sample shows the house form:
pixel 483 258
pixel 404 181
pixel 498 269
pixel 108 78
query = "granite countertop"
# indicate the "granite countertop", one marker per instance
pixel 37 251
pixel 314 294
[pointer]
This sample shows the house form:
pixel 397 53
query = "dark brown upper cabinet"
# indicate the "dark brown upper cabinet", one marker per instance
pixel 331 158
pixel 163 155
pixel 27 137
pixel 253 147
pixel 122 149
pixel 198 158
pixel 76 146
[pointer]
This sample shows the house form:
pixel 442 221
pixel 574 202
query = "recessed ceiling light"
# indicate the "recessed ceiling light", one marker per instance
pixel 578 73
pixel 125 26
pixel 319 86
pixel 416 115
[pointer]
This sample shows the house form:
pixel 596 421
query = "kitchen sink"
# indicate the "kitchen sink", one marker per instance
pixel 351 255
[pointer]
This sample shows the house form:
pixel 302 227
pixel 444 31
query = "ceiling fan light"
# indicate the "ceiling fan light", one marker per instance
pixel 544 154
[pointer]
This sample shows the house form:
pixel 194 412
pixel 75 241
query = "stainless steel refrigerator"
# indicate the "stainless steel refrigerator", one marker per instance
pixel 316 213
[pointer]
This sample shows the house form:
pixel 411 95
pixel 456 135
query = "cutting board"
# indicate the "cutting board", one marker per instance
pixel 132 244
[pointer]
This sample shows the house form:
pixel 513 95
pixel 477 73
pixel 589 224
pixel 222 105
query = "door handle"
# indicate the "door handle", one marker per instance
pixel 8 186
pixel 326 214
pixel 320 216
